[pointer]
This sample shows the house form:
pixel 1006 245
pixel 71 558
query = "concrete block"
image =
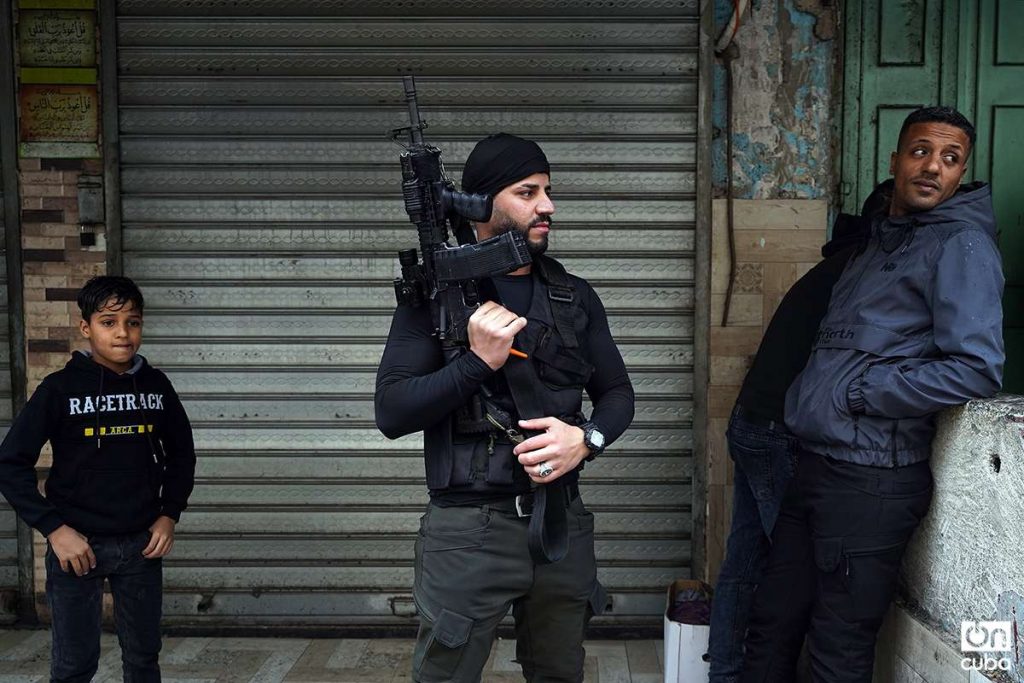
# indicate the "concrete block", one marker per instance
pixel 964 563
pixel 917 648
pixel 905 674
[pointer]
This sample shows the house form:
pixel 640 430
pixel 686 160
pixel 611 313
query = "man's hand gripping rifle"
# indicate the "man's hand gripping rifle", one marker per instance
pixel 446 278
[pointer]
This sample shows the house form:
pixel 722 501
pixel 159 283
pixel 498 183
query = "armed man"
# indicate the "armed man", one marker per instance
pixel 505 526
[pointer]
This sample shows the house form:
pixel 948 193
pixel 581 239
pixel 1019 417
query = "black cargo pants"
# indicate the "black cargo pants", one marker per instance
pixel 472 564
pixel 833 568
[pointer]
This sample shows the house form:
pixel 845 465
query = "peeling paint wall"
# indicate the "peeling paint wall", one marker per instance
pixel 785 101
pixel 965 561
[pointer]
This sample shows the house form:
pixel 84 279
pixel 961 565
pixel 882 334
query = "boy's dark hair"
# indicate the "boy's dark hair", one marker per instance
pixel 946 115
pixel 102 288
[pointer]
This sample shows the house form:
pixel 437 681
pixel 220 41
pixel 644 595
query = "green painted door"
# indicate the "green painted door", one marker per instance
pixel 898 58
pixel 965 53
pixel 999 117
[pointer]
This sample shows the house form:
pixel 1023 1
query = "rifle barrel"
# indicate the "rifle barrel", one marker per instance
pixel 416 132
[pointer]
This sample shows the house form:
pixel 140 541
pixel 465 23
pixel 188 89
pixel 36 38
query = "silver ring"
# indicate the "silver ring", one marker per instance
pixel 544 469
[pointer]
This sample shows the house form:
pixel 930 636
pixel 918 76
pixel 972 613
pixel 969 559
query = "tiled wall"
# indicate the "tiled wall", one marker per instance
pixel 777 241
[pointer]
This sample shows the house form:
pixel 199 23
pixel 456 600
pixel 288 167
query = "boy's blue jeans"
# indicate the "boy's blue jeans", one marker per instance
pixel 764 455
pixel 76 607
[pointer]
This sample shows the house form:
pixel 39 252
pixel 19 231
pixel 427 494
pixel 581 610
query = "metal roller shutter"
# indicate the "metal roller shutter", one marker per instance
pixel 262 213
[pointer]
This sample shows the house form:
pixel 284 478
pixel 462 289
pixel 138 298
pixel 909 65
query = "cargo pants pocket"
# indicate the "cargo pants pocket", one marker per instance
pixel 858 583
pixel 439 647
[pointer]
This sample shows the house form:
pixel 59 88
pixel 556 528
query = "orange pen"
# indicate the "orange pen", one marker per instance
pixel 517 354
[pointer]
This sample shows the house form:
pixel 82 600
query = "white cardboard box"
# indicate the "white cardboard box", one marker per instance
pixel 685 644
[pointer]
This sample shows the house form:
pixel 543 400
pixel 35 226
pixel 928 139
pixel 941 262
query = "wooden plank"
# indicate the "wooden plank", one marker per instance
pixel 729 369
pixel 775 246
pixel 721 398
pixel 778 278
pixel 780 214
pixel 734 340
pixel 719 461
pixel 745 309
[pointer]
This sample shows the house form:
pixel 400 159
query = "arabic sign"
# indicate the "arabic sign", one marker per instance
pixel 57 38
pixel 59 113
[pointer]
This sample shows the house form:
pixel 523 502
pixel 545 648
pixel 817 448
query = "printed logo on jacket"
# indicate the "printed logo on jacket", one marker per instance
pixel 116 403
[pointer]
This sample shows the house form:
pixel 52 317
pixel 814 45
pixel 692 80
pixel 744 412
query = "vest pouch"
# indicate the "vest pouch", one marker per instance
pixel 467 452
pixel 559 367
pixel 471 462
pixel 501 464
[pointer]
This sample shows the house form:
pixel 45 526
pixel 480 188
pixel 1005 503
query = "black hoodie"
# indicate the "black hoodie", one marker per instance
pixel 787 342
pixel 122 450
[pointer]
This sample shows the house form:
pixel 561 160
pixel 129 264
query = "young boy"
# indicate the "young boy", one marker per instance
pixel 123 465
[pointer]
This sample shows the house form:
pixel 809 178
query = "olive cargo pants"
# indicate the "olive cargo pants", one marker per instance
pixel 472 564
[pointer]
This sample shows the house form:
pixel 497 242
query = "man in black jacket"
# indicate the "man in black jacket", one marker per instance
pixel 762 449
pixel 473 554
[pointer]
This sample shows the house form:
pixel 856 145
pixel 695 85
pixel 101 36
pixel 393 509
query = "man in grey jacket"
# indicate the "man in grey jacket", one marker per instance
pixel 914 325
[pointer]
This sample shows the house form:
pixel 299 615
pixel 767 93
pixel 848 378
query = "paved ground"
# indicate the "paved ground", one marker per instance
pixel 25 656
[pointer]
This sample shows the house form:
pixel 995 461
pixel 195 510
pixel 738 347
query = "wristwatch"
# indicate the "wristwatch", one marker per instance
pixel 592 439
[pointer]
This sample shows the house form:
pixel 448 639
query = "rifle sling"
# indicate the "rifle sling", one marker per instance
pixel 561 295
pixel 548 534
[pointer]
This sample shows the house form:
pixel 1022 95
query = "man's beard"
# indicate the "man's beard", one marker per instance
pixel 536 248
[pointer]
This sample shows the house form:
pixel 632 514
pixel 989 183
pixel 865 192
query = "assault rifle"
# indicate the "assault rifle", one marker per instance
pixel 446 277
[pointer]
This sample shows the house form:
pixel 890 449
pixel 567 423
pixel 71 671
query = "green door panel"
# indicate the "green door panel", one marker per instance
pixel 999 154
pixel 897 56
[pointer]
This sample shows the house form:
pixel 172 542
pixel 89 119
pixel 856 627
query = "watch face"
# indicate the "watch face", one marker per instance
pixel 597 438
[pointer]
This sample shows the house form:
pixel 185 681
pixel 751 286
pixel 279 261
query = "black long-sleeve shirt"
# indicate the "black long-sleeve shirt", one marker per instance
pixel 416 390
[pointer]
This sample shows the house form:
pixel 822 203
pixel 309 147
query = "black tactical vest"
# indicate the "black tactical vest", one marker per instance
pixel 479 462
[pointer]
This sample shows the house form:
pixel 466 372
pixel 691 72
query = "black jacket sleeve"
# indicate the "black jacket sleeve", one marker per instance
pixel 609 387
pixel 415 389
pixel 19 454
pixel 179 457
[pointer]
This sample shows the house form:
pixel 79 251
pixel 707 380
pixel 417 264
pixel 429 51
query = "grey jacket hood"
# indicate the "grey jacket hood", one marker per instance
pixel 914 325
pixel 972 204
